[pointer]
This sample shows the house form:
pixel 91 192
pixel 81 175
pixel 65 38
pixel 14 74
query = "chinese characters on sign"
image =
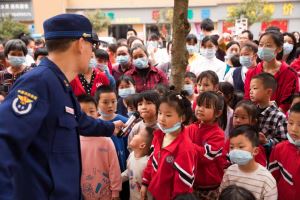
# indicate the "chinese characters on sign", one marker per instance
pixel 19 10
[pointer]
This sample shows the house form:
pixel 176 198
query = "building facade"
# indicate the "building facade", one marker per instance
pixel 143 14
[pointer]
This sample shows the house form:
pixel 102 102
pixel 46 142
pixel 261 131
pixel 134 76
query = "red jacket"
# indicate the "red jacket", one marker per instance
pixel 287 84
pixel 285 167
pixel 117 71
pixel 209 143
pixel 100 79
pixel 296 65
pixel 170 170
pixel 153 77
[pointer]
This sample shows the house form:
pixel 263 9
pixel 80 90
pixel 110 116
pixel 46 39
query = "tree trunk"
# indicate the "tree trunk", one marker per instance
pixel 181 28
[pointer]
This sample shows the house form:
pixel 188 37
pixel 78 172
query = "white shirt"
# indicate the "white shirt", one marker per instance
pixel 229 76
pixel 29 60
pixel 204 64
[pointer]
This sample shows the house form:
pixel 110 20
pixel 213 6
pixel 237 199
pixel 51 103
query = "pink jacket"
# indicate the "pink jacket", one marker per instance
pixel 101 175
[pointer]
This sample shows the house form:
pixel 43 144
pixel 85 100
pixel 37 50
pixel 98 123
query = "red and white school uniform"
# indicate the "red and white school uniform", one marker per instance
pixel 170 170
pixel 209 142
pixel 285 167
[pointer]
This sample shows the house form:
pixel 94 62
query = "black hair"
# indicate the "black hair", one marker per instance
pixel 248 131
pixel 228 92
pixel 40 52
pixel 187 196
pixel 232 43
pixel 131 100
pixel 216 101
pixel 211 38
pixel 250 109
pixel 103 89
pixel 139 47
pixel 297 53
pixel 149 137
pixel 162 89
pixel 191 37
pixel 209 74
pixel 234 192
pixel 122 45
pixel 15 45
pixel 295 108
pixel 2 56
pixel 133 30
pixel 207 25
pixel 238 96
pixel 153 36
pixel 26 39
pixel 296 95
pixel 276 36
pixel 120 41
pixel 101 54
pixel 181 104
pixel 292 55
pixel 267 80
pixel 112 47
pixel 273 28
pixel 250 34
pixel 39 41
pixel 125 78
pixel 235 60
pixel 86 99
pixel 131 39
pixel 191 76
pixel 149 95
pixel 59 45
pixel 250 46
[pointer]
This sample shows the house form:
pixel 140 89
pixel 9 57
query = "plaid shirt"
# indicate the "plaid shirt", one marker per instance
pixel 153 77
pixel 273 123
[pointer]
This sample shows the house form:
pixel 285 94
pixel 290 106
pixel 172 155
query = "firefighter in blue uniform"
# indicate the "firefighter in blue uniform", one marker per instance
pixel 40 120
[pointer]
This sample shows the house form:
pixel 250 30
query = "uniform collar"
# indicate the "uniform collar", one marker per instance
pixel 174 145
pixel 63 79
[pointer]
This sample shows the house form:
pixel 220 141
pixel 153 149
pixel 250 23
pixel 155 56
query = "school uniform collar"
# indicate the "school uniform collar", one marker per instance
pixel 174 145
pixel 269 109
pixel 60 75
pixel 283 67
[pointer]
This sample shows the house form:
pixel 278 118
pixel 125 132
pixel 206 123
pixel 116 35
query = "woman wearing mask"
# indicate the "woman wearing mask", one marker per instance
pixel 144 74
pixel 124 63
pixel 270 45
pixel 157 55
pixel 209 61
pixel 14 52
pixel 232 49
pixel 192 48
pixel 89 81
pixel 289 48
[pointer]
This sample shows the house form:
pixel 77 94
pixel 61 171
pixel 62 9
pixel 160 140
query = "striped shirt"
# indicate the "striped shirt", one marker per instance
pixel 260 182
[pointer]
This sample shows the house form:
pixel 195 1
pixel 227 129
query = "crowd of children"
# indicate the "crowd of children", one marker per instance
pixel 230 133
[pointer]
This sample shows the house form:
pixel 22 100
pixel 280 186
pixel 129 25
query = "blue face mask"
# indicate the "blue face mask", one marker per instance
pixel 104 114
pixel 170 130
pixel 246 61
pixel 287 48
pixel 126 92
pixel 141 63
pixel 266 54
pixel 92 63
pixel 16 61
pixel 189 89
pixel 240 157
pixel 130 113
pixel 102 67
pixel 122 60
pixel 294 142
pixel 191 49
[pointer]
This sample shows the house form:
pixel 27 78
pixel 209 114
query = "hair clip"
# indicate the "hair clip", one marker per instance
pixel 179 96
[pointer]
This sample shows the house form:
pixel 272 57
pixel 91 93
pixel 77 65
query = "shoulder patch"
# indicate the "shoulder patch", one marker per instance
pixel 24 102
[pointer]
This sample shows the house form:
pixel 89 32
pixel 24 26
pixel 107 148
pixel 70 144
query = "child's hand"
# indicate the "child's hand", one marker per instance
pixel 262 138
pixel 143 192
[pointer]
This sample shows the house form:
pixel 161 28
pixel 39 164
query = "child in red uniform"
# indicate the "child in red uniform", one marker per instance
pixel 245 113
pixel 285 159
pixel 209 139
pixel 170 170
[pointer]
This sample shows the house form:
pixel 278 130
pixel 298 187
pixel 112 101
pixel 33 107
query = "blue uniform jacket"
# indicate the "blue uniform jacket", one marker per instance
pixel 40 123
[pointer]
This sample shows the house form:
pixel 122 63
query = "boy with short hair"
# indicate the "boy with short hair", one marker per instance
pixel 100 177
pixel 106 99
pixel 272 122
pixel 247 172
pixel 137 161
pixel 285 159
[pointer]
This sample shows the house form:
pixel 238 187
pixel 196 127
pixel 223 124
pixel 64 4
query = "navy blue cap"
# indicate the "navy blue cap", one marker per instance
pixel 69 26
